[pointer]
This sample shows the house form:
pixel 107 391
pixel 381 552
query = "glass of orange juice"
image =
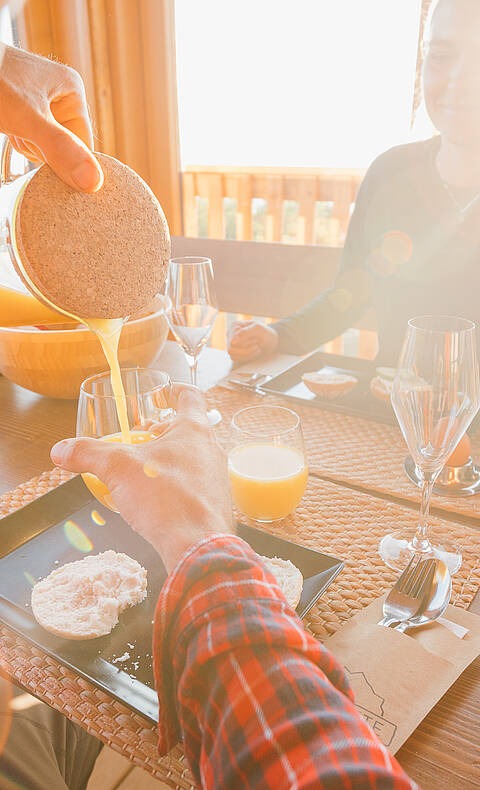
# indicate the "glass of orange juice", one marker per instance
pixel 266 464
pixel 145 407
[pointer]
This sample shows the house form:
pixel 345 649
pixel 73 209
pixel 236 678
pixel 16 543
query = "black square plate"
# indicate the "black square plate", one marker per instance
pixel 35 540
pixel 358 401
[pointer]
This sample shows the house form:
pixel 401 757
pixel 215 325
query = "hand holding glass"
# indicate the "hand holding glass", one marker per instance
pixel 147 394
pixel 435 395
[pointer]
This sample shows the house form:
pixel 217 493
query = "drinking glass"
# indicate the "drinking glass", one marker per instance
pixel 266 464
pixel 148 398
pixel 435 395
pixel 190 286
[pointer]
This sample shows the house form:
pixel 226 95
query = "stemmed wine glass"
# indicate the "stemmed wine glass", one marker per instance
pixel 191 287
pixel 435 395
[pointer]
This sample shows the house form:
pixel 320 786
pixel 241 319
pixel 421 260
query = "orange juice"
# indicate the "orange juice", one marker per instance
pixel 267 480
pixel 94 485
pixel 20 308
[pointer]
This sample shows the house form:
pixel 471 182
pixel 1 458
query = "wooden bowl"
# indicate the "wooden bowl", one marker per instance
pixel 54 362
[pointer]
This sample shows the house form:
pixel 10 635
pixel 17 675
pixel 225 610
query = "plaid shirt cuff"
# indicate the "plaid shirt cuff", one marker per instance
pixel 213 602
pixel 257 700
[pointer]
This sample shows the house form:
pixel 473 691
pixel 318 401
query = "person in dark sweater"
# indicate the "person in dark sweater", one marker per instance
pixel 413 243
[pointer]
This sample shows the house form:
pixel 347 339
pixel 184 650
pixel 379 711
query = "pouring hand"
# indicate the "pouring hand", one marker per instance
pixel 43 110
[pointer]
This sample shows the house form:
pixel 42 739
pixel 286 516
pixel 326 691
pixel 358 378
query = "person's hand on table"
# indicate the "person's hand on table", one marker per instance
pixel 250 340
pixel 173 490
pixel 43 110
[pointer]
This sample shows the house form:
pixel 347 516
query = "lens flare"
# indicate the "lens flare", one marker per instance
pixel 397 246
pixel 151 469
pixel 380 264
pixel 30 579
pixel 395 250
pixel 340 299
pixel 97 518
pixel 77 537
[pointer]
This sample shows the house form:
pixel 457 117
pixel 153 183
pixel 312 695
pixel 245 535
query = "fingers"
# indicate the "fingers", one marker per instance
pixel 248 336
pixel 238 326
pixel 254 332
pixel 69 157
pixel 72 112
pixel 191 405
pixel 86 455
pixel 246 353
pixel 19 144
pixel 238 330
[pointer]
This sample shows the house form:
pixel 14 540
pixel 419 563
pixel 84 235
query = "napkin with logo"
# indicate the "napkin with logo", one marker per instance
pixel 398 678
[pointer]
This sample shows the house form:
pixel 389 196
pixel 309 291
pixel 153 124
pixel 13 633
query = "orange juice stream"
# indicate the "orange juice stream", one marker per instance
pixel 108 332
pixel 19 307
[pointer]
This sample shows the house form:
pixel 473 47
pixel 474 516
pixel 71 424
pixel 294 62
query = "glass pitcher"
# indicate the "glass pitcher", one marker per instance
pixel 20 303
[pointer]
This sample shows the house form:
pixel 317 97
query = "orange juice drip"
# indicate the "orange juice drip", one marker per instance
pixel 94 485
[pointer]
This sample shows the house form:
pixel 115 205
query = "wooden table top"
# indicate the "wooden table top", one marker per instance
pixel 443 752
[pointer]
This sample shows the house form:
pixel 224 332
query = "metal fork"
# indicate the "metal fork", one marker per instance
pixel 254 383
pixel 405 599
pixel 247 378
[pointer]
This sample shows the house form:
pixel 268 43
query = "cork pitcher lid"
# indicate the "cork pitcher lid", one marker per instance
pixel 100 255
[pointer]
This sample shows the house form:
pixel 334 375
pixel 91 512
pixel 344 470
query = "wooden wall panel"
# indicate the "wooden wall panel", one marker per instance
pixel 104 120
pixel 161 118
pixel 125 52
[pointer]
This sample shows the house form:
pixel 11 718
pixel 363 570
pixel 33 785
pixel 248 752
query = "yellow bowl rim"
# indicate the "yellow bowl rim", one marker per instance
pixel 32 330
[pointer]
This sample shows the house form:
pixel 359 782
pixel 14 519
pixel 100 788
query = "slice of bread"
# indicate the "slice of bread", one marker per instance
pixel 82 599
pixel 381 388
pixel 328 384
pixel 288 577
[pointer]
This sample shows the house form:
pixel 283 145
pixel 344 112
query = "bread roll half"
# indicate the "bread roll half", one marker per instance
pixel 83 599
pixel 288 578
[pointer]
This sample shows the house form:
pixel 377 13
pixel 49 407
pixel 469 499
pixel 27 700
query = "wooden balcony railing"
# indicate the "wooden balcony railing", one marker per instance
pixel 292 205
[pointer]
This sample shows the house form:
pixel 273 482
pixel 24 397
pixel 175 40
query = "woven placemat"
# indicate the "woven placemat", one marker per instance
pixel 350 449
pixel 330 518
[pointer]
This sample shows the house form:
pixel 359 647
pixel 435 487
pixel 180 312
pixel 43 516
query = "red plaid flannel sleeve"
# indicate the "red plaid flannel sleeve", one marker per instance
pixel 257 701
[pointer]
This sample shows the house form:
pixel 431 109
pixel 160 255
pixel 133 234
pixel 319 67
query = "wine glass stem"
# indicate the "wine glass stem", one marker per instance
pixel 421 541
pixel 193 363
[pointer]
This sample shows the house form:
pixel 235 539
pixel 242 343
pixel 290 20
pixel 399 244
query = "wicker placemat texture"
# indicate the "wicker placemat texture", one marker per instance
pixel 336 520
pixel 350 449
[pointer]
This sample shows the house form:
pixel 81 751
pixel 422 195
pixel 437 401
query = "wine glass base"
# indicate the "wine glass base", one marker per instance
pixel 214 417
pixel 396 550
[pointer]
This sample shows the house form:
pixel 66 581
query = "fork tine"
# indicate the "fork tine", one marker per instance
pixel 428 580
pixel 416 573
pixel 410 575
pixel 422 577
pixel 404 574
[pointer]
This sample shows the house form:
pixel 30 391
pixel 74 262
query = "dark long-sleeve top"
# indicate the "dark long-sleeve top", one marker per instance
pixel 258 702
pixel 407 253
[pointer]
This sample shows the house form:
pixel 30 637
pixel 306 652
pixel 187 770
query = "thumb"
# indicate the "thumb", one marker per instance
pixel 191 403
pixel 84 455
pixel 70 158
